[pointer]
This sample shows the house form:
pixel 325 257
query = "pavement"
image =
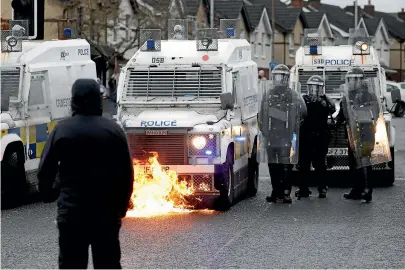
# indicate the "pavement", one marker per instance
pixel 310 233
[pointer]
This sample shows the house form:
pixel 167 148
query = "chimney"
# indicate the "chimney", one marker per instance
pixel 315 3
pixel 359 11
pixel 297 3
pixel 401 14
pixel 369 9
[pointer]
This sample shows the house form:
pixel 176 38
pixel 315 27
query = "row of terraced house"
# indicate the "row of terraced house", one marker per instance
pixel 117 37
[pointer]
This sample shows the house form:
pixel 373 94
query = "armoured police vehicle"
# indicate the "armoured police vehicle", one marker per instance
pixel 332 63
pixel 194 102
pixel 36 80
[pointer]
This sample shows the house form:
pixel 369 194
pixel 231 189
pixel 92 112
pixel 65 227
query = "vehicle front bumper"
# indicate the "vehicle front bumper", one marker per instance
pixel 341 162
pixel 204 179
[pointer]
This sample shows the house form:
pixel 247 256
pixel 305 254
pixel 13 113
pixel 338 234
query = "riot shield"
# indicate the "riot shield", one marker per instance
pixel 279 123
pixel 365 124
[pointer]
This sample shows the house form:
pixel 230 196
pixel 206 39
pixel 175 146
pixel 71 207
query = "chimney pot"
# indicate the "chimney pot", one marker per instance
pixel 402 10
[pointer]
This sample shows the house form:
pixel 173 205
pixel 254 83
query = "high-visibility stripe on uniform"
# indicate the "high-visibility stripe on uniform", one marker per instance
pixel 37 137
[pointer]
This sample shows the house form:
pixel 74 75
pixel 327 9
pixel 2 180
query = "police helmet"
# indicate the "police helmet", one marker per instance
pixel 315 86
pixel 355 78
pixel 280 75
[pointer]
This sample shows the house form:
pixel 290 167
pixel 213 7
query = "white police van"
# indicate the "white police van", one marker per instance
pixel 332 64
pixel 194 102
pixel 36 81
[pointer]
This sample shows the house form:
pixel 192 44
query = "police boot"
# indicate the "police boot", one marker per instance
pixel 322 192
pixel 275 194
pixel 367 195
pixel 302 193
pixel 287 198
pixel 353 195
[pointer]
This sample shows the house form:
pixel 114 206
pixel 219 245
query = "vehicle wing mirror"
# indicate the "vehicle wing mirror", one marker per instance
pixel 5 102
pixel 227 101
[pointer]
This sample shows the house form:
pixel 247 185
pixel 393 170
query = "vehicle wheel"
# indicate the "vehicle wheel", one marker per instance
pixel 253 174
pixel 14 186
pixel 399 109
pixel 226 197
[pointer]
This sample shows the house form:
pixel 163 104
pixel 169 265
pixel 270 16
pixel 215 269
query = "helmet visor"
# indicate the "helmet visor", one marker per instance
pixel 315 90
pixel 354 82
pixel 280 79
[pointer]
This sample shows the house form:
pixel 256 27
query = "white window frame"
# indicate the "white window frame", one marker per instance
pixel 257 41
pixel 291 45
pixel 264 41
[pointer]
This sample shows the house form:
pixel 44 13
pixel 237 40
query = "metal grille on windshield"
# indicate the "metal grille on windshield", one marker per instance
pixel 191 82
pixel 333 79
pixel 10 81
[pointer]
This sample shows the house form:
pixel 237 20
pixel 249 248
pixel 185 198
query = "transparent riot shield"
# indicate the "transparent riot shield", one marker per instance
pixel 365 124
pixel 279 118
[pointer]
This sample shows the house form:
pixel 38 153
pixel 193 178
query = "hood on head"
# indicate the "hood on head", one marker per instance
pixel 86 98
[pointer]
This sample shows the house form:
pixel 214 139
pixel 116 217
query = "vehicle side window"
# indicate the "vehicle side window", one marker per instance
pixel 36 94
pixel 402 85
pixel 389 88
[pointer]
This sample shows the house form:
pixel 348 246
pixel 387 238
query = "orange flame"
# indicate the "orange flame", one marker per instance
pixel 160 193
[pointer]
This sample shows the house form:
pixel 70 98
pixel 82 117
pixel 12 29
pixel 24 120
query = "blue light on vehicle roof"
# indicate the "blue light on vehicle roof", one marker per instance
pixel 67 33
pixel 240 138
pixel 150 44
pixel 230 32
pixel 208 152
pixel 313 49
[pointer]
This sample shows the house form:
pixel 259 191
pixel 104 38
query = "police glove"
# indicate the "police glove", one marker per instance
pixel 322 102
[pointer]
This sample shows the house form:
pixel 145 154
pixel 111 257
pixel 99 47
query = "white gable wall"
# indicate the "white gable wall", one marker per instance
pixel 261 42
pixel 327 40
pixel 382 46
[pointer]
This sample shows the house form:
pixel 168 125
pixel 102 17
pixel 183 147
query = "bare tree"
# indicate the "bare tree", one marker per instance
pixel 113 28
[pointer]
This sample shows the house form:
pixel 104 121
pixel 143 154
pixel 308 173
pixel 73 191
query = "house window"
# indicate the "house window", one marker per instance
pixel 264 41
pixel 268 45
pixel 127 26
pixel 257 44
pixel 291 48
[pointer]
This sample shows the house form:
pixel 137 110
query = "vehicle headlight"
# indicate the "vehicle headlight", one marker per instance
pixel 203 145
pixel 199 142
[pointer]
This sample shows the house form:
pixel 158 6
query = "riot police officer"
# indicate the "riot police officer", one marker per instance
pixel 314 137
pixel 360 110
pixel 279 117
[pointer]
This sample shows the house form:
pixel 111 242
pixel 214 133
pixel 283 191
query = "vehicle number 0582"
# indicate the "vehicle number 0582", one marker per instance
pixel 158 60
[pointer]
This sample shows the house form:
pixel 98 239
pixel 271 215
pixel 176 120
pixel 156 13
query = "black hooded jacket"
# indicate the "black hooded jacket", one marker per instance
pixel 91 155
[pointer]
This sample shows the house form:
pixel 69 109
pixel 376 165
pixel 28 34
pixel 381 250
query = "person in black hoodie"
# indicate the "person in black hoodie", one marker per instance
pixel 92 157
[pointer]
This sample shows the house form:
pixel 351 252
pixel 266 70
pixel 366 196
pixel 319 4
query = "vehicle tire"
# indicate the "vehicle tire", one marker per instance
pixel 226 197
pixel 399 110
pixel 14 186
pixel 253 173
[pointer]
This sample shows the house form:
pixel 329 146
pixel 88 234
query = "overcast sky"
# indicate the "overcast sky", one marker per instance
pixel 381 5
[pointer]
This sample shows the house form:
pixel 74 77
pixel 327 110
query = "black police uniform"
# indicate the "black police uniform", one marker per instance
pixel 314 141
pixel 91 154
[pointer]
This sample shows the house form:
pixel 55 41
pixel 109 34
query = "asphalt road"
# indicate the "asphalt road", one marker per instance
pixel 310 233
